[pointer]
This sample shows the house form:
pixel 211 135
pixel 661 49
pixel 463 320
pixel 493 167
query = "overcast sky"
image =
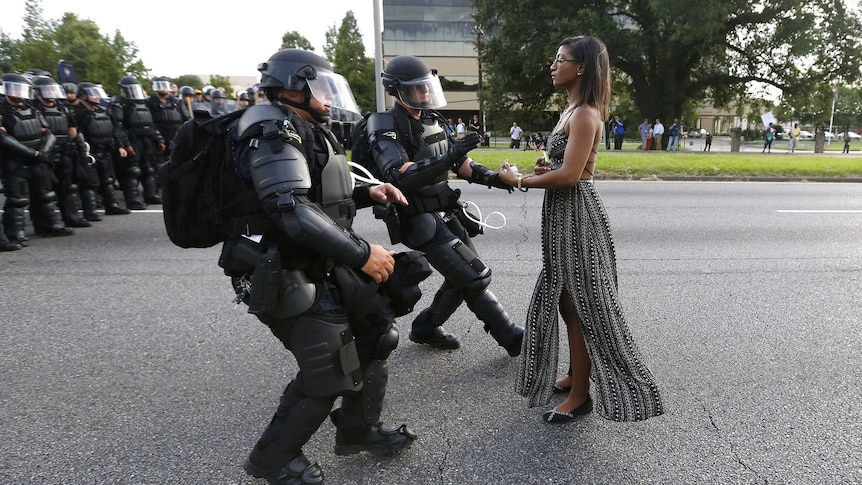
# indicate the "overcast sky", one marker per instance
pixel 184 37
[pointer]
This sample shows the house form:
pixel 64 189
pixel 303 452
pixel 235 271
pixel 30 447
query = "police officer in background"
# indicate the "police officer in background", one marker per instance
pixel 105 139
pixel 68 151
pixel 412 151
pixel 187 99
pixel 218 105
pixel 26 144
pixel 144 143
pixel 167 113
pixel 335 309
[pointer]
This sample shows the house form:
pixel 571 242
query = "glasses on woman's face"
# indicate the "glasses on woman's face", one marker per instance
pixel 560 60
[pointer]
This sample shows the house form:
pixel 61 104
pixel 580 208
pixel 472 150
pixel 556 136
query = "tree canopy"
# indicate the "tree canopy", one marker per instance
pixel 96 58
pixel 346 51
pixel 670 53
pixel 295 40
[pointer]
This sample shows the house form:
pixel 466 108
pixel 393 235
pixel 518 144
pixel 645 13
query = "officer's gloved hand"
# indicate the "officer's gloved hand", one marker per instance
pixel 464 145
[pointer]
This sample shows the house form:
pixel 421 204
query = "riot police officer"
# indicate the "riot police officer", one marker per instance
pixel 187 99
pixel 144 140
pixel 166 111
pixel 105 139
pixel 330 304
pixel 411 150
pixel 218 105
pixel 26 143
pixel 68 153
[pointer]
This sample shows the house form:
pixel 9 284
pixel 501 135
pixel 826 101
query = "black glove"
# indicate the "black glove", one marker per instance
pixel 464 145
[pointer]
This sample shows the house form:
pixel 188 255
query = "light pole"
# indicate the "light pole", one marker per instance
pixel 832 114
pixel 477 29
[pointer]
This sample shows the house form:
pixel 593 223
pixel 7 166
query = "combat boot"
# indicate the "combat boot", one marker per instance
pixel 297 471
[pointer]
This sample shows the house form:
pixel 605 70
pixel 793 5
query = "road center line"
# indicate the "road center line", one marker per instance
pixel 824 211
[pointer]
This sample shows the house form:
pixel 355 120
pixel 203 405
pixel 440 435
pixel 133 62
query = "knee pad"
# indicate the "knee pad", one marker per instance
pixel 17 192
pixel 460 265
pixel 386 343
pixel 45 196
pixel 419 229
pixel 326 355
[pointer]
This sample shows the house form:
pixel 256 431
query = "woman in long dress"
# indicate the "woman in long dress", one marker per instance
pixel 578 279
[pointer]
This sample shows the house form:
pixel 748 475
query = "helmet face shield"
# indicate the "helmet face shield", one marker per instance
pixel 18 90
pixel 134 91
pixel 95 92
pixel 333 90
pixel 162 86
pixel 422 93
pixel 51 91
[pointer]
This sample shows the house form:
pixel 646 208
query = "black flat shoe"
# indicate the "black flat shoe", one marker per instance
pixel 558 417
pixel 560 389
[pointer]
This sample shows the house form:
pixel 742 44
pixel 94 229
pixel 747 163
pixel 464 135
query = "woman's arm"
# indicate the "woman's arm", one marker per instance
pixel 584 128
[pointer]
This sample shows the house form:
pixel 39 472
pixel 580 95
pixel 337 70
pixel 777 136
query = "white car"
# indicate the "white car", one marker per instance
pixel 805 135
pixel 853 135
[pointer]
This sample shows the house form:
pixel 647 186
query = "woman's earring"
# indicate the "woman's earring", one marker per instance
pixel 580 73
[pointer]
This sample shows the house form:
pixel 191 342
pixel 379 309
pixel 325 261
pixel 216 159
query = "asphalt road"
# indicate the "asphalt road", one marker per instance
pixel 122 359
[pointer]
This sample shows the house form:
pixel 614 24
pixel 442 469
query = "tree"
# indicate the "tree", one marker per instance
pixel 673 52
pixel 295 40
pixel 96 58
pixel 190 80
pixel 222 82
pixel 345 50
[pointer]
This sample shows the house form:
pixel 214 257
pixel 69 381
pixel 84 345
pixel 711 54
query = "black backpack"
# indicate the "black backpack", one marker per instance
pixel 197 183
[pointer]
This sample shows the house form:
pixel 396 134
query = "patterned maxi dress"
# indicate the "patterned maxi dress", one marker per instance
pixel 578 254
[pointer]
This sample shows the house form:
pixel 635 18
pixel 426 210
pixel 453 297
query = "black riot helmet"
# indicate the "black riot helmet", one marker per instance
pixel 92 93
pixel 17 86
pixel 162 85
pixel 47 88
pixel 187 91
pixel 301 70
pixel 409 79
pixel 131 88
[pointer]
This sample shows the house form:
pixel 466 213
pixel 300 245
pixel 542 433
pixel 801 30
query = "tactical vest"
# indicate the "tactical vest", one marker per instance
pixel 137 119
pixel 100 130
pixel 432 142
pixel 58 122
pixel 336 188
pixel 28 127
pixel 167 116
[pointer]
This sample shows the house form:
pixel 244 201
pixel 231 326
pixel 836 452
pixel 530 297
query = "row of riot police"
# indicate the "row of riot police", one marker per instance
pixel 65 154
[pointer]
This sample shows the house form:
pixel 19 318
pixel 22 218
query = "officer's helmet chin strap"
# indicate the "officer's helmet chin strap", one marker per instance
pixel 319 116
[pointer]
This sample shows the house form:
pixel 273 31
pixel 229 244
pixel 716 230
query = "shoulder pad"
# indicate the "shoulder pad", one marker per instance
pixel 381 121
pixel 257 114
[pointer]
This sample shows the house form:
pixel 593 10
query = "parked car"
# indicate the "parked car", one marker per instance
pixel 853 135
pixel 696 133
pixel 806 135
